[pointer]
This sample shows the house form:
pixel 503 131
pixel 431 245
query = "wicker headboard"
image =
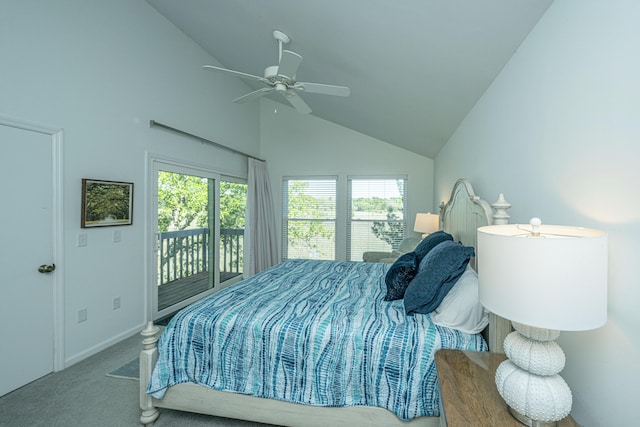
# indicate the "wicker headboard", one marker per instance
pixel 461 216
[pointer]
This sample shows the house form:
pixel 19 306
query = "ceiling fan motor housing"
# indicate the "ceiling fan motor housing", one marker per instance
pixel 271 74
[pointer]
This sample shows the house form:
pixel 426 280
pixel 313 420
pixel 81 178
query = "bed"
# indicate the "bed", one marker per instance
pixel 351 333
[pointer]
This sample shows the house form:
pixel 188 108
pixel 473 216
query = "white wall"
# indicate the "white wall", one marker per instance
pixel 297 144
pixel 559 133
pixel 101 70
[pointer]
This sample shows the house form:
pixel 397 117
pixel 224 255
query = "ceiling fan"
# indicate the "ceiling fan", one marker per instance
pixel 281 78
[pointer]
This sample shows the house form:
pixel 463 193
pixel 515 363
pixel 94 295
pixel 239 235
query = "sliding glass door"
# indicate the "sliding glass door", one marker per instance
pixel 199 234
pixel 185 256
pixel 233 206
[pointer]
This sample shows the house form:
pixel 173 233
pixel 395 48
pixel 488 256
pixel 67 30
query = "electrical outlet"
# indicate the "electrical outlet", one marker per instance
pixel 81 239
pixel 82 315
pixel 116 303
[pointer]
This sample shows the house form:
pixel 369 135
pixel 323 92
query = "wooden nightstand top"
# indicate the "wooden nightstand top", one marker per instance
pixel 469 393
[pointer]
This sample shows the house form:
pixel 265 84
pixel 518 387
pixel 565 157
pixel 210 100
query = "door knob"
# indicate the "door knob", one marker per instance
pixel 46 268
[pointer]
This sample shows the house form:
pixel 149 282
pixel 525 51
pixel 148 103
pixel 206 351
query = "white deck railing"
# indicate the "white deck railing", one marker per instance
pixel 184 253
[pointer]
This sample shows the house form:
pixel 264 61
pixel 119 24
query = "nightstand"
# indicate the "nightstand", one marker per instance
pixel 468 393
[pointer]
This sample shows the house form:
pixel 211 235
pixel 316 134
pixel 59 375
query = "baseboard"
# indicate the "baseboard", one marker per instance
pixel 103 345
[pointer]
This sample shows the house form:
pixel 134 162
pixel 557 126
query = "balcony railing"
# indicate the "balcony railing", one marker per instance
pixel 231 248
pixel 184 253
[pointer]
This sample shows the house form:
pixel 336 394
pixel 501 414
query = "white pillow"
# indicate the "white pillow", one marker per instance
pixel 461 309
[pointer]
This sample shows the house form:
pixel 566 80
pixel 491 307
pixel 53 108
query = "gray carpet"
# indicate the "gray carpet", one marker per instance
pixel 84 395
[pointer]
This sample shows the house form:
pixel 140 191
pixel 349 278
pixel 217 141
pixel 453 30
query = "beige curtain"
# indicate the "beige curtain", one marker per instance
pixel 260 240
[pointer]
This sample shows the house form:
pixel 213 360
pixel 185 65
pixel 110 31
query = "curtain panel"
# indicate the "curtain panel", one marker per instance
pixel 260 250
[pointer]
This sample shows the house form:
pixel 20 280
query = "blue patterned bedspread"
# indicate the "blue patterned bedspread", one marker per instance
pixel 310 332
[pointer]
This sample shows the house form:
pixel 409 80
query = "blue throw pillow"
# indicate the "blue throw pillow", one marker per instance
pixel 401 272
pixel 437 273
pixel 431 241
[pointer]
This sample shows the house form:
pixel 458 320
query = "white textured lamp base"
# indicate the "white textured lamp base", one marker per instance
pixel 529 382
pixel 529 422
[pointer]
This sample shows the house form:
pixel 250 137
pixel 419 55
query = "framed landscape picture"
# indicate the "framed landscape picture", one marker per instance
pixel 106 203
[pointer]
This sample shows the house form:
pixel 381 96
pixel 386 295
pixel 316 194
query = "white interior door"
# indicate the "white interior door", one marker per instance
pixel 26 221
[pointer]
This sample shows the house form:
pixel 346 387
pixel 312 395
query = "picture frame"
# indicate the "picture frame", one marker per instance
pixel 106 203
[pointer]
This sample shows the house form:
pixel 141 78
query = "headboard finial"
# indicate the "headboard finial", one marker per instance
pixel 500 216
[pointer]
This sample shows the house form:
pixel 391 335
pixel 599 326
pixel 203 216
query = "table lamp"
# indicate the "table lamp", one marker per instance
pixel 426 223
pixel 545 279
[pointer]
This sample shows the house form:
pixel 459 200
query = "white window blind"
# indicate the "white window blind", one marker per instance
pixel 309 218
pixel 376 217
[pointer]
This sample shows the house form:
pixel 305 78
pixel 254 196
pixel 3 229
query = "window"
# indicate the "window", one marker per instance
pixel 309 218
pixel 376 215
pixel 338 218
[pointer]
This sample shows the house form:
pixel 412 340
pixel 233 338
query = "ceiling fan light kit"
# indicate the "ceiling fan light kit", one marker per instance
pixel 281 78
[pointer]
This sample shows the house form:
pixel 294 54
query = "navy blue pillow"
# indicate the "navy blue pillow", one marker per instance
pixel 438 272
pixel 401 272
pixel 430 242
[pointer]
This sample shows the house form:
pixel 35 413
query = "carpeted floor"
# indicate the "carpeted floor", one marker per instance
pixel 84 395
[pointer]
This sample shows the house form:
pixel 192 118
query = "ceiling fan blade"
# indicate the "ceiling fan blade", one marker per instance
pixel 236 73
pixel 323 89
pixel 253 95
pixel 297 102
pixel 289 64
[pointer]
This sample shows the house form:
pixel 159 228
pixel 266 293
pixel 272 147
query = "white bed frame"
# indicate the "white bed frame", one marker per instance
pixel 460 216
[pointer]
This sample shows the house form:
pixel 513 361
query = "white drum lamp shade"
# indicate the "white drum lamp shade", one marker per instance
pixel 426 223
pixel 544 279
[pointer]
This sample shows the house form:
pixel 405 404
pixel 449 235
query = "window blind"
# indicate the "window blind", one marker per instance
pixel 309 218
pixel 376 217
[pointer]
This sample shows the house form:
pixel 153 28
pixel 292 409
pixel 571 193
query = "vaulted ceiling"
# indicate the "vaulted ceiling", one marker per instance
pixel 415 67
